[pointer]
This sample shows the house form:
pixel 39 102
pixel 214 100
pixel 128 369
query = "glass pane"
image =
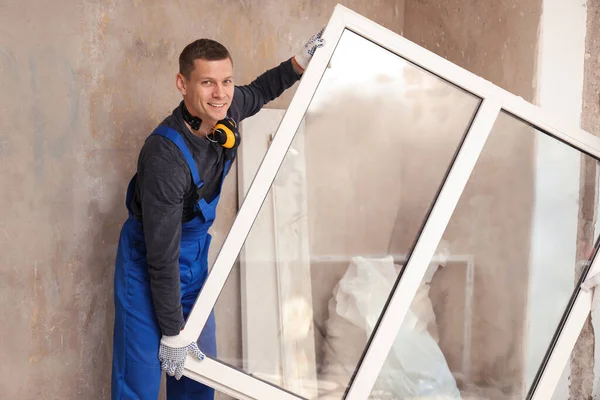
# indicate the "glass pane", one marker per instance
pixel 372 124
pixel 505 270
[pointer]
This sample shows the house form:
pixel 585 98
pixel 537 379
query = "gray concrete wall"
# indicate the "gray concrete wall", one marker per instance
pixel 495 40
pixel 83 83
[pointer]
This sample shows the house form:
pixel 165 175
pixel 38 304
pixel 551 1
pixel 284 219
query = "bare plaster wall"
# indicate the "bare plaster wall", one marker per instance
pixel 495 40
pixel 83 83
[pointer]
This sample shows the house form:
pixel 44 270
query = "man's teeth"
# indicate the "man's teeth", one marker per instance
pixel 216 105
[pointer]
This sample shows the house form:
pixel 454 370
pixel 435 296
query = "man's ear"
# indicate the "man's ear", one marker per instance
pixel 181 83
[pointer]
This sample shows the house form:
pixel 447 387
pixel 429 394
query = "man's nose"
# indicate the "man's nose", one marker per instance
pixel 218 91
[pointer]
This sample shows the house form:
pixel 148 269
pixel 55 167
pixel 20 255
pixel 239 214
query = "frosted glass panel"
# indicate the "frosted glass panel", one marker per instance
pixel 371 153
pixel 489 306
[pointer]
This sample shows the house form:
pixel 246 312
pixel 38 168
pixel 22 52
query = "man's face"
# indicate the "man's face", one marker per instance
pixel 209 90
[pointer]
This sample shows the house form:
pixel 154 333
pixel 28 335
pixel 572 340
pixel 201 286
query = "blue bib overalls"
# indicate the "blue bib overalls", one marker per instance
pixel 136 370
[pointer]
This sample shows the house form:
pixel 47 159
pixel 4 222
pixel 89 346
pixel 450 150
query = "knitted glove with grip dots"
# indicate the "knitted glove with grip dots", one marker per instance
pixel 173 352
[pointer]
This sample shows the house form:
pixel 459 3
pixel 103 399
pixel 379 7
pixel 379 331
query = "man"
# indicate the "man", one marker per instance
pixel 162 259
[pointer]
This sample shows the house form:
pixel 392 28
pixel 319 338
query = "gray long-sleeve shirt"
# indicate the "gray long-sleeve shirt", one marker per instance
pixel 165 194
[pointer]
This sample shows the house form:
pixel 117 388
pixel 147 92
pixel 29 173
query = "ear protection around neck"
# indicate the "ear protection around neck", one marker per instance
pixel 224 133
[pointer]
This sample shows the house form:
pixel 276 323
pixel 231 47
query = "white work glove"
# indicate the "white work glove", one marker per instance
pixel 592 283
pixel 302 57
pixel 173 352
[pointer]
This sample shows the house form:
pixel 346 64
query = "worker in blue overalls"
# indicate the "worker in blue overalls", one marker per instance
pixel 162 259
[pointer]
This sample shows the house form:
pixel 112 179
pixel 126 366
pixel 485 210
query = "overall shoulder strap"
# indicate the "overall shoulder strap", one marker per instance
pixel 177 139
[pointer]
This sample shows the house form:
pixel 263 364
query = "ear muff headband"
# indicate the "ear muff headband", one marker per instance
pixel 194 122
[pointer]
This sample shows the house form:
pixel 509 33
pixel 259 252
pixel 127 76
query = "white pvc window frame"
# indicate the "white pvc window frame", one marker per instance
pixel 493 100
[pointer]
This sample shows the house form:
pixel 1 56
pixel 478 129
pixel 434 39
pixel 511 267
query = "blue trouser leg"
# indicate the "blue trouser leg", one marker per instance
pixel 186 388
pixel 135 370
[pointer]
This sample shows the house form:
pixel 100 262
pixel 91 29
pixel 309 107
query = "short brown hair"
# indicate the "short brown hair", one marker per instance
pixel 205 49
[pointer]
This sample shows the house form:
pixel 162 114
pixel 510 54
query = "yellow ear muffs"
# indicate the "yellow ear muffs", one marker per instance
pixel 226 134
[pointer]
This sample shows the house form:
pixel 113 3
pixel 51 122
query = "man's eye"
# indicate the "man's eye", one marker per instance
pixel 206 83
pixel 228 82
